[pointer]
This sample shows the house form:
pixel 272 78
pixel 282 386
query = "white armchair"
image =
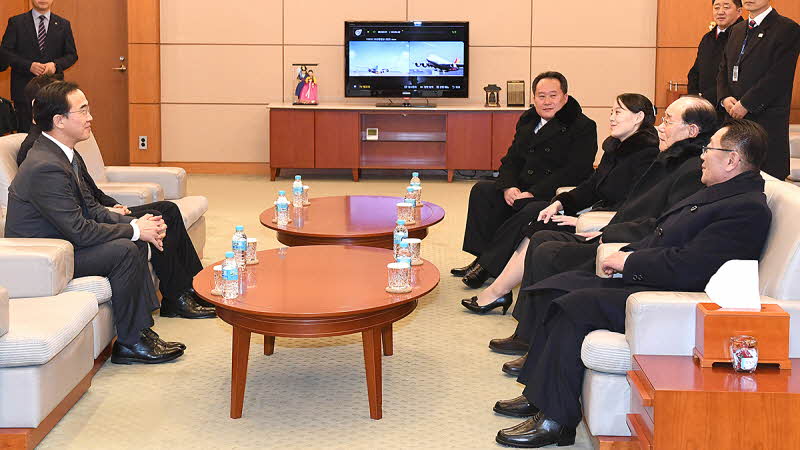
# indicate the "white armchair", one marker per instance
pixel 794 153
pixel 663 323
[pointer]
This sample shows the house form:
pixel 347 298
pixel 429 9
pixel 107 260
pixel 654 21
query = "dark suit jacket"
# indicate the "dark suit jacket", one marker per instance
pixel 560 154
pixel 33 135
pixel 703 74
pixel 20 48
pixel 45 201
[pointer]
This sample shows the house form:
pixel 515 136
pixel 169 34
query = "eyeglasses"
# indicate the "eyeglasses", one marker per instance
pixel 706 148
pixel 85 111
pixel 665 121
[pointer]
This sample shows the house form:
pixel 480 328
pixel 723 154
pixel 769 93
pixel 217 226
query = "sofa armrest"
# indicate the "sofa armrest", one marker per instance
pixel 593 221
pixel 602 253
pixel 35 267
pixel 133 194
pixel 171 179
pixel 3 311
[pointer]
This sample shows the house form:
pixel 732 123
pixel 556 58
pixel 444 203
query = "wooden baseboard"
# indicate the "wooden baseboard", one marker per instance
pixel 223 168
pixel 28 438
pixel 614 443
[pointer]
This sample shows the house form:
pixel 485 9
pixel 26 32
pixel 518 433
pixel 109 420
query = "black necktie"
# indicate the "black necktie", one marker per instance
pixel 42 33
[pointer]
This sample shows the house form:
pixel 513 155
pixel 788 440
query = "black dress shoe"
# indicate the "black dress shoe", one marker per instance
pixel 461 271
pixel 504 301
pixel 536 432
pixel 516 407
pixel 155 338
pixel 475 277
pixel 200 301
pixel 185 306
pixel 144 351
pixel 511 345
pixel 514 367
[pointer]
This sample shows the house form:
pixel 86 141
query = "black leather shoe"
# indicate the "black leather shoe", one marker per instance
pixel 475 277
pixel 514 367
pixel 200 301
pixel 144 351
pixel 536 432
pixel 461 271
pixel 516 407
pixel 156 339
pixel 504 301
pixel 185 306
pixel 511 345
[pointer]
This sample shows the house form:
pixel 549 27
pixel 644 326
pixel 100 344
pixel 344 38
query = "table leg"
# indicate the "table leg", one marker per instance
pixel 372 363
pixel 388 346
pixel 241 351
pixel 269 345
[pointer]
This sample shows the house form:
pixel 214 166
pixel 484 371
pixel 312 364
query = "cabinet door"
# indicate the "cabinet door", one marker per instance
pixel 291 139
pixel 469 140
pixel 336 139
pixel 503 126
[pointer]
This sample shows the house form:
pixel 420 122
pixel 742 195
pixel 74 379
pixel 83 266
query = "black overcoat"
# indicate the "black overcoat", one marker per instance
pixel 703 74
pixel 561 154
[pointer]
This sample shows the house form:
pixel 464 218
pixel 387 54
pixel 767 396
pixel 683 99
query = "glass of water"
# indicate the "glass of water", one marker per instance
pixel 217 290
pixel 415 245
pixel 251 256
pixel 405 211
pixel 399 277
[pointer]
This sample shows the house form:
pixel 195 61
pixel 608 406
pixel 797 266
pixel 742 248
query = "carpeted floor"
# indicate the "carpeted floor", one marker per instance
pixel 438 388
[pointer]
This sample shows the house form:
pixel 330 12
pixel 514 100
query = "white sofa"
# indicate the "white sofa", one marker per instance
pixel 663 323
pixel 794 153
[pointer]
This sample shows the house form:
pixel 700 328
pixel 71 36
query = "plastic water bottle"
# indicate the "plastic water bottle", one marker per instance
pixel 239 245
pixel 282 209
pixel 410 197
pixel 403 254
pixel 230 277
pixel 416 184
pixel 297 192
pixel 400 233
pixel 415 179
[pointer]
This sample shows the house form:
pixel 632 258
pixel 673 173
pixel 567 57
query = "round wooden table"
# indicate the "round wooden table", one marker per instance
pixel 316 291
pixel 366 220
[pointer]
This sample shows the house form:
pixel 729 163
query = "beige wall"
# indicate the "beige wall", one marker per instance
pixel 222 65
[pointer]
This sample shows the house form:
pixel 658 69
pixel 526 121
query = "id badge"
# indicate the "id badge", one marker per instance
pixel 735 76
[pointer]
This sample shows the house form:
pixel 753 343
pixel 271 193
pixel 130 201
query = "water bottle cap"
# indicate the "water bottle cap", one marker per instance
pixel 401 222
pixel 410 189
pixel 404 244
pixel 297 177
pixel 414 174
pixel 239 227
pixel 229 254
pixel 281 192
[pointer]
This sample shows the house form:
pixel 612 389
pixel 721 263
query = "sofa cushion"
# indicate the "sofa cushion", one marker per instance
pixel 9 146
pixel 606 351
pixel 794 168
pixel 192 208
pixel 3 311
pixel 779 265
pixel 99 286
pixel 41 327
pixel 794 143
pixel 133 194
pixel 90 152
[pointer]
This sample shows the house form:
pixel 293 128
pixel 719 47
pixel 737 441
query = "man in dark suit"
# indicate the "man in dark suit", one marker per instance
pixel 703 74
pixel 37 42
pixel 554 145
pixel 49 199
pixel 727 220
pixel 756 77
pixel 177 265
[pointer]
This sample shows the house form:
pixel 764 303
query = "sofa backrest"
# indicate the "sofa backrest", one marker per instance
pixel 90 152
pixel 779 266
pixel 9 147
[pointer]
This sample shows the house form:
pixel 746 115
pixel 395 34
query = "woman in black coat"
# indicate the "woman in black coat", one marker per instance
pixel 628 151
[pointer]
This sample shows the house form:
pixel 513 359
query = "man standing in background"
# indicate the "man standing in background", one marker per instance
pixel 703 74
pixel 35 43
pixel 756 75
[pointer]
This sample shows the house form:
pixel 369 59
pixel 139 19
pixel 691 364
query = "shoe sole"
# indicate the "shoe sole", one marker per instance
pixel 510 414
pixel 515 445
pixel 128 361
pixel 507 352
pixel 508 372
pixel 171 314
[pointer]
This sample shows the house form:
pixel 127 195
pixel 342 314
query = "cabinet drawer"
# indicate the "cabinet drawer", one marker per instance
pixel 640 432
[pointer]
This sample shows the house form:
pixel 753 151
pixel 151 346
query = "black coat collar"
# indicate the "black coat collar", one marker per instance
pixel 750 181
pixel 681 149
pixel 566 116
pixel 643 138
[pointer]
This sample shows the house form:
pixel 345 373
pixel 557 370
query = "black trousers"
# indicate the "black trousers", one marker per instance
pixel 133 297
pixel 549 253
pixel 177 265
pixel 486 213
pixel 553 371
pixel 775 121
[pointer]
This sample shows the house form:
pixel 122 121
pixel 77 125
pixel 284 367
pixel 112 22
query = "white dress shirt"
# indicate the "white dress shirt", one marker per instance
pixel 542 123
pixel 36 15
pixel 760 18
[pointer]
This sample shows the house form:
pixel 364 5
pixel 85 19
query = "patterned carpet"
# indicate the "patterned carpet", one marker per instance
pixel 438 387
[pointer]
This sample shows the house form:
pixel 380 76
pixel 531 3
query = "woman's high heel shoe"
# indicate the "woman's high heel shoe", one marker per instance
pixel 504 301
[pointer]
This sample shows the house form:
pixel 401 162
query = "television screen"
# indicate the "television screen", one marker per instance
pixel 406 59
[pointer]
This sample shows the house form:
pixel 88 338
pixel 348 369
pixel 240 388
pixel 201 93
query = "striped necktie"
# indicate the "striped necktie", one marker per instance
pixel 42 34
pixel 751 24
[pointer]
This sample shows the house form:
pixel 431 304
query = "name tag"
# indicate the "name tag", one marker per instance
pixel 760 35
pixel 735 76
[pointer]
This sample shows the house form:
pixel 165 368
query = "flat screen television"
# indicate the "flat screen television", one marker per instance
pixel 406 59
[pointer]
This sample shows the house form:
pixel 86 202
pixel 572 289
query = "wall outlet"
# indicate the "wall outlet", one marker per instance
pixel 142 142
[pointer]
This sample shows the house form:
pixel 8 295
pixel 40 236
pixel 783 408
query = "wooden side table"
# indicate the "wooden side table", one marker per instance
pixel 676 404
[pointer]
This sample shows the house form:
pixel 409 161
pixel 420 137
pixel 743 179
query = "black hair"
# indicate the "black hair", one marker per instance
pixel 637 103
pixel 700 113
pixel 50 101
pixel 738 3
pixel 748 139
pixel 36 83
pixel 550 74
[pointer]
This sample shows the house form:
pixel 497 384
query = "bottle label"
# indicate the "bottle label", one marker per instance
pixel 411 200
pixel 239 245
pixel 399 236
pixel 230 273
pixel 283 206
pixel 404 259
pixel 297 190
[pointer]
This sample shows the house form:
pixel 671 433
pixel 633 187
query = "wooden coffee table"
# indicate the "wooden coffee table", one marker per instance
pixel 317 291
pixel 366 220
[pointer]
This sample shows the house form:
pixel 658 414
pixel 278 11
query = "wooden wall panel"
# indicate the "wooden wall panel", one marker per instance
pixel 672 64
pixel 337 139
pixel 681 23
pixel 145 120
pixel 144 72
pixel 143 21
pixel 469 140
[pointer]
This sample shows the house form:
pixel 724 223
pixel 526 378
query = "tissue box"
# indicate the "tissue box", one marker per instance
pixel 715 326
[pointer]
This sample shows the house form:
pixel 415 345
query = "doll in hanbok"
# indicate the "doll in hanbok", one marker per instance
pixel 302 73
pixel 308 94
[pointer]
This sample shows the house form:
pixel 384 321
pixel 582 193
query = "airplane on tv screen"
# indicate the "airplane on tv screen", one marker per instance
pixel 438 63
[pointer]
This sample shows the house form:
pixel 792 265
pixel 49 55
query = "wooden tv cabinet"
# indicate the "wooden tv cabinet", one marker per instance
pixel 334 137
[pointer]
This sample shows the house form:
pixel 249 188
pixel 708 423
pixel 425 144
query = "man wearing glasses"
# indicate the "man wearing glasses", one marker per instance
pixel 49 198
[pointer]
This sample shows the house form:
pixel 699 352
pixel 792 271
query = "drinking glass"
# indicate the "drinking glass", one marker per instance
pixel 305 196
pixel 405 211
pixel 217 290
pixel 418 195
pixel 416 247
pixel 251 256
pixel 399 278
